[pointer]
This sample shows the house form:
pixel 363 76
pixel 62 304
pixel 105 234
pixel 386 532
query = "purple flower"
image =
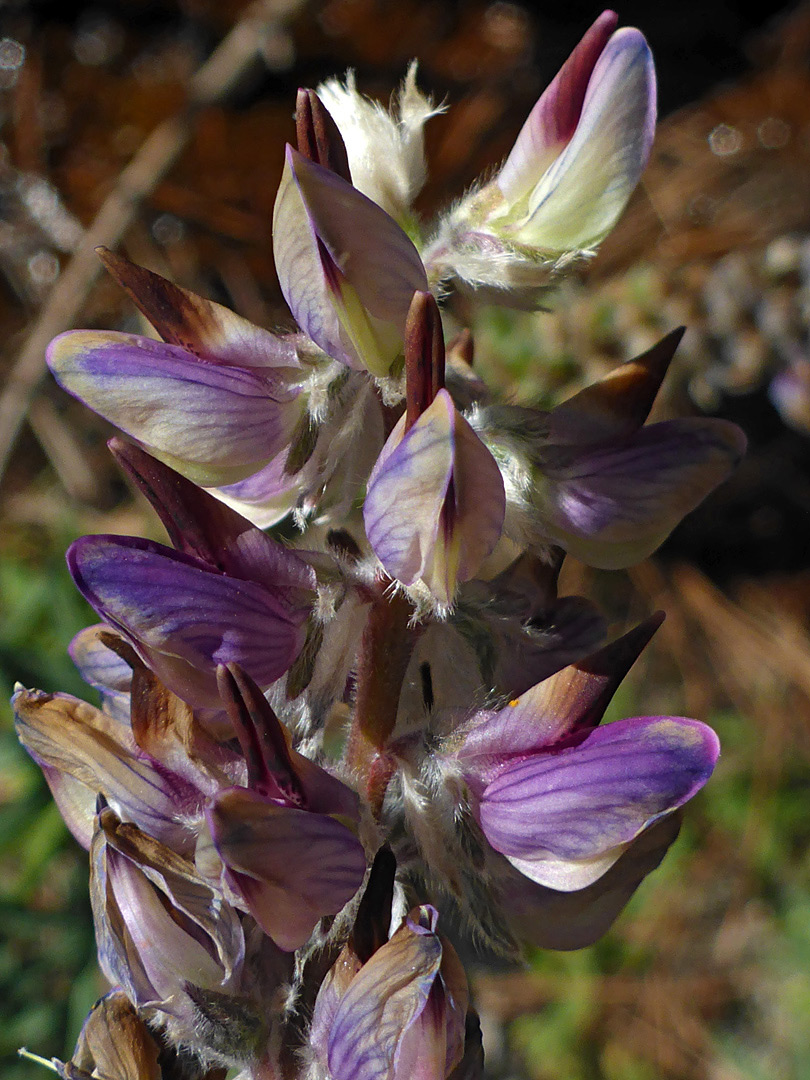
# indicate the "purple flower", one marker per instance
pixel 217 398
pixel 562 798
pixel 161 928
pixel 568 177
pixel 398 1016
pixel 347 270
pixel 286 857
pixel 584 145
pixel 227 594
pixel 435 503
pixel 590 477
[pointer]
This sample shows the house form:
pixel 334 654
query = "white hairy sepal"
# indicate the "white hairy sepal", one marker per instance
pixel 480 257
pixel 386 149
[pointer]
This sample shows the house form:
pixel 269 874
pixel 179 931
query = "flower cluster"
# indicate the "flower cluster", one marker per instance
pixel 302 749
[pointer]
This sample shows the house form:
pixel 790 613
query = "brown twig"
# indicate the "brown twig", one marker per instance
pixel 157 154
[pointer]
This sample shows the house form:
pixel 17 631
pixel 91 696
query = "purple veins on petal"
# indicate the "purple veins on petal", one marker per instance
pixel 435 501
pixel 217 424
pixel 558 816
pixel 185 617
pixel 201 526
pixel 103 669
pixel 613 506
pixel 84 752
pixel 386 1002
pixel 199 326
pixel 288 867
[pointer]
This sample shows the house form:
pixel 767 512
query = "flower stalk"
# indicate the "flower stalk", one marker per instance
pixel 304 746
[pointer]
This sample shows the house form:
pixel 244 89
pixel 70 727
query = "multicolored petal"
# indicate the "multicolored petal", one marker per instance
pixel 287 867
pixel 553 120
pixel 199 326
pixel 215 424
pixel 565 818
pixel 347 270
pixel 613 506
pixel 397 1020
pixel 435 501
pixel 584 190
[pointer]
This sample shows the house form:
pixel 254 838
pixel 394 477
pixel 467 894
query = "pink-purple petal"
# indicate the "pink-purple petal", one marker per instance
pixel 551 919
pixel 184 617
pixel 586 188
pixel 197 325
pixel 586 802
pixel 554 118
pixel 384 1000
pixel 406 492
pixel 291 867
pixel 612 507
pixel 346 269
pixel 216 424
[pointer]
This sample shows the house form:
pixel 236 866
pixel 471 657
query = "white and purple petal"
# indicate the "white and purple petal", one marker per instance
pixel 384 1000
pixel 435 501
pixel 347 270
pixel 215 424
pixel 612 507
pixel 197 325
pixel 554 118
pixel 564 818
pixel 583 192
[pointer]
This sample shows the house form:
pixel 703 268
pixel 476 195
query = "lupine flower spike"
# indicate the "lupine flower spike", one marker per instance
pixel 315 762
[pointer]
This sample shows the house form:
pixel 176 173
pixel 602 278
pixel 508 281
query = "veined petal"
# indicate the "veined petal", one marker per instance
pixel 148 942
pixel 102 668
pixel 480 502
pixel 201 526
pixel 197 325
pixel 265 497
pixel 570 701
pixel 347 270
pixel 554 118
pixel 215 424
pixel 290 867
pixel 420 526
pixel 551 919
pixel 69 737
pixel 183 617
pixel 407 489
pixel 383 1001
pixel 188 892
pixel 564 818
pixel 583 192
pixel 612 507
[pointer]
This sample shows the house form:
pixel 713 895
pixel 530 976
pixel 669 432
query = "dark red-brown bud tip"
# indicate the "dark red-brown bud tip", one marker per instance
pixel 318 136
pixel 424 356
